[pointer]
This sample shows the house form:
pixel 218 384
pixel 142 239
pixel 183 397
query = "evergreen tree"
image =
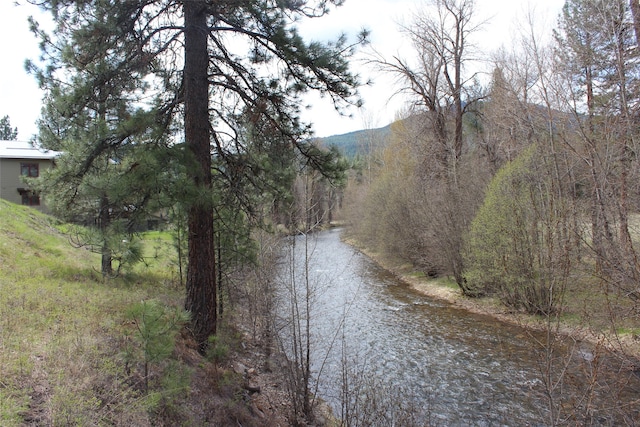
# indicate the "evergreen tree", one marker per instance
pixel 108 144
pixel 7 133
pixel 111 200
pixel 598 52
pixel 188 70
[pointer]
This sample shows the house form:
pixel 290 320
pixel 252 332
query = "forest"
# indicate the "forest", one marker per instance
pixel 525 189
pixel 518 186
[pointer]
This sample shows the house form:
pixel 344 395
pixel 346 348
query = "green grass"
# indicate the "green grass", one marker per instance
pixel 628 331
pixel 63 328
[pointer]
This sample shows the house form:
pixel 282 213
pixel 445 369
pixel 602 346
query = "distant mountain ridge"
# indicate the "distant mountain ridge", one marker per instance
pixel 359 141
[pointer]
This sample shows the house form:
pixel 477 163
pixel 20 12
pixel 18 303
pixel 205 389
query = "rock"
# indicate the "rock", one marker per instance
pixel 239 368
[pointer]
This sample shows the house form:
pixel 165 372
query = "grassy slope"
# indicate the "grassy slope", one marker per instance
pixel 69 355
pixel 60 327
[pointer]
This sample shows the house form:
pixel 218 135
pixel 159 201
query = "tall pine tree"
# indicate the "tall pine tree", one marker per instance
pixel 144 71
pixel 7 133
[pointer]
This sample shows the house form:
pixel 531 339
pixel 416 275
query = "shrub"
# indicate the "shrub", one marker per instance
pixel 155 329
pixel 519 243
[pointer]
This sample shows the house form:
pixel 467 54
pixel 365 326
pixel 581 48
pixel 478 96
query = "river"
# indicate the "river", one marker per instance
pixel 444 365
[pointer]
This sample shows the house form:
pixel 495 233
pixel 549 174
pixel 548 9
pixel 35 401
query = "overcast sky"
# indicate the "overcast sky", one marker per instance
pixel 20 97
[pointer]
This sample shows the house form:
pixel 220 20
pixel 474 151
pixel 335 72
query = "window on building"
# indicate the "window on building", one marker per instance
pixel 30 170
pixel 29 198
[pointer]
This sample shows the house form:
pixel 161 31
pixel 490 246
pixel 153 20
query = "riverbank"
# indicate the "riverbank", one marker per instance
pixel 627 344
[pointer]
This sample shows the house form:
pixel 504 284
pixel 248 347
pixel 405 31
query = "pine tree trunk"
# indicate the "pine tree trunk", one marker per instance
pixel 104 222
pixel 201 279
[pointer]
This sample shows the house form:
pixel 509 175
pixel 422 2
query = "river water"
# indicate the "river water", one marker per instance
pixel 371 333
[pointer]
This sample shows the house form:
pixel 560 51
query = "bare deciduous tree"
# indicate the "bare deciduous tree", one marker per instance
pixel 442 95
pixel 436 78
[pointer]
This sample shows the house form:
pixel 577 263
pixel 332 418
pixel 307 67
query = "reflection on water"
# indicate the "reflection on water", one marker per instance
pixel 458 367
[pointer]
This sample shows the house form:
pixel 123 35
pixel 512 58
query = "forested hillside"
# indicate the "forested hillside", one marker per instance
pixel 358 143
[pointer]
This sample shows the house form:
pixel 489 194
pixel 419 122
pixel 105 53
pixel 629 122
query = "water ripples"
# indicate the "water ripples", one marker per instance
pixel 460 368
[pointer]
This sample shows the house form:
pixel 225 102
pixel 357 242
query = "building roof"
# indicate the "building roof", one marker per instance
pixel 24 150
